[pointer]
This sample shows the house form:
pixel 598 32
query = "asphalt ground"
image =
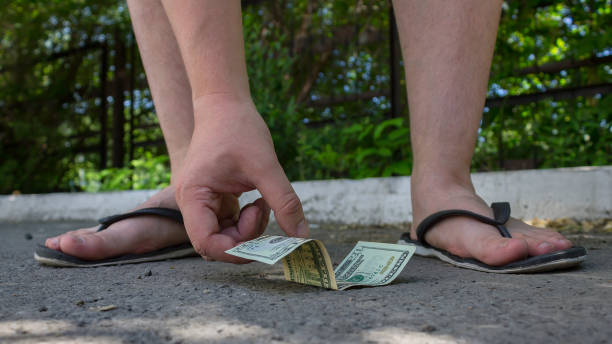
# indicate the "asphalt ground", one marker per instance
pixel 193 301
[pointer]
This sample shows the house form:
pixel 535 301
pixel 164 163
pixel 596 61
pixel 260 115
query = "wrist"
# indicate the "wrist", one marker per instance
pixel 222 103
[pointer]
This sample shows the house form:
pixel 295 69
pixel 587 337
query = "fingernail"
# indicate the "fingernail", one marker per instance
pixel 545 246
pixel 302 229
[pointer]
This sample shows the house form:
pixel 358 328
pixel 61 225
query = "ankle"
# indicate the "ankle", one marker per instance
pixel 165 198
pixel 434 192
pixel 438 179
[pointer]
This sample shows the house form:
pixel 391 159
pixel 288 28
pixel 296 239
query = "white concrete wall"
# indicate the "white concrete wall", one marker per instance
pixel 582 192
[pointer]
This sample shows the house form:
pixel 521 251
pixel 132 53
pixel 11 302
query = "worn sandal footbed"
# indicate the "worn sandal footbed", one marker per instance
pixel 51 257
pixel 501 211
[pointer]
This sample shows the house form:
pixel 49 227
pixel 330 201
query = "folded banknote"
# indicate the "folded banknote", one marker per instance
pixel 306 261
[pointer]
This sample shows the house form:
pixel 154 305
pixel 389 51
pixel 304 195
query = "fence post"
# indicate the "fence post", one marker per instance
pixel 132 96
pixel 103 116
pixel 394 63
pixel 118 97
pixel 500 138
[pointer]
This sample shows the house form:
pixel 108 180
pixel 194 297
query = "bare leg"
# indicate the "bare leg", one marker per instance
pixel 203 101
pixel 447 48
pixel 172 95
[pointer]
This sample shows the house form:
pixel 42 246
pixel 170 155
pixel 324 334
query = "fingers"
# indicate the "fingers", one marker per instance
pixel 199 206
pixel 261 203
pixel 279 194
pixel 230 208
pixel 251 223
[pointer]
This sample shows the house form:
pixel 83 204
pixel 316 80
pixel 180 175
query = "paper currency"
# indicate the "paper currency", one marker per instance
pixel 310 264
pixel 267 249
pixel 306 261
pixel 372 263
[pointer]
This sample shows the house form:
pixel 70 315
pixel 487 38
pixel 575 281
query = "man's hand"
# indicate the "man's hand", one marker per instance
pixel 231 152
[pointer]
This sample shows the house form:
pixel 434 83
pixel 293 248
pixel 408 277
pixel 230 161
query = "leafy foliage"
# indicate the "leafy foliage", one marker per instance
pixel 303 57
pixel 146 173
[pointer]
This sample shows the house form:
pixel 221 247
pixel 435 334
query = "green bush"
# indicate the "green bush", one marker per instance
pixel 145 173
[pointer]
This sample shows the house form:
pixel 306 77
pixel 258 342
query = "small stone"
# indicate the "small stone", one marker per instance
pixel 28 236
pixel 428 328
pixel 104 308
pixel 148 273
pixel 80 303
pixel 42 309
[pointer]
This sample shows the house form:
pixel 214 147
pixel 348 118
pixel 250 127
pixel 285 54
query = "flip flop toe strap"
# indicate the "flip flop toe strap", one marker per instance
pixel 164 212
pixel 501 213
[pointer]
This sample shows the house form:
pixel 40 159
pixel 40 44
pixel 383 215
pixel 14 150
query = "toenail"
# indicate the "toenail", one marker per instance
pixel 563 242
pixel 545 246
pixel 54 242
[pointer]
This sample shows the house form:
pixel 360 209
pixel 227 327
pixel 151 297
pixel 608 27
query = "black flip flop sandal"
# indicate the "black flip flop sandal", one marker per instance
pixel 51 257
pixel 501 211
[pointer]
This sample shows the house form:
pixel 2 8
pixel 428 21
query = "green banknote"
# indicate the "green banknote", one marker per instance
pixel 372 263
pixel 267 249
pixel 306 261
pixel 310 264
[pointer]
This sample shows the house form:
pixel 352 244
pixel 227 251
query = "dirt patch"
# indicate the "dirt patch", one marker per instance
pixel 569 225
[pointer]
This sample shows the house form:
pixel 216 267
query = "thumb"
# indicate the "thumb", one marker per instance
pixel 282 199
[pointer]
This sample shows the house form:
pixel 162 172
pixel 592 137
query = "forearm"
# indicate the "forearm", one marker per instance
pixel 209 35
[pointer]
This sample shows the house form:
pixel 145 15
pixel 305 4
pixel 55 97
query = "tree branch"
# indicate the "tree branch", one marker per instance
pixel 556 94
pixel 312 76
pixel 346 98
pixel 555 67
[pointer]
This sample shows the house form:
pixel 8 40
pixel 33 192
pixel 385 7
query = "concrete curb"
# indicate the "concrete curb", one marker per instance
pixel 581 193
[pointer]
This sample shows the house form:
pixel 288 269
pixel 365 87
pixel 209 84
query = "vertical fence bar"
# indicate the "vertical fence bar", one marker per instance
pixel 394 62
pixel 103 117
pixel 118 98
pixel 500 138
pixel 132 96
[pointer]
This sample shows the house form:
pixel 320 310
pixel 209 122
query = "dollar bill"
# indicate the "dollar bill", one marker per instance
pixel 267 249
pixel 310 264
pixel 372 264
pixel 306 261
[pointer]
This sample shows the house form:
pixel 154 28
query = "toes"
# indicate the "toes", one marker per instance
pixel 85 246
pixel 53 243
pixel 539 248
pixel 539 240
pixel 497 251
pixel 563 244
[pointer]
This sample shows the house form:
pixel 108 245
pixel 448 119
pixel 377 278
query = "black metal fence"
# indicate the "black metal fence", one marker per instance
pixel 119 124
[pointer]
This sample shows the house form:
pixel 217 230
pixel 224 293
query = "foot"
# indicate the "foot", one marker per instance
pixel 135 235
pixel 468 238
